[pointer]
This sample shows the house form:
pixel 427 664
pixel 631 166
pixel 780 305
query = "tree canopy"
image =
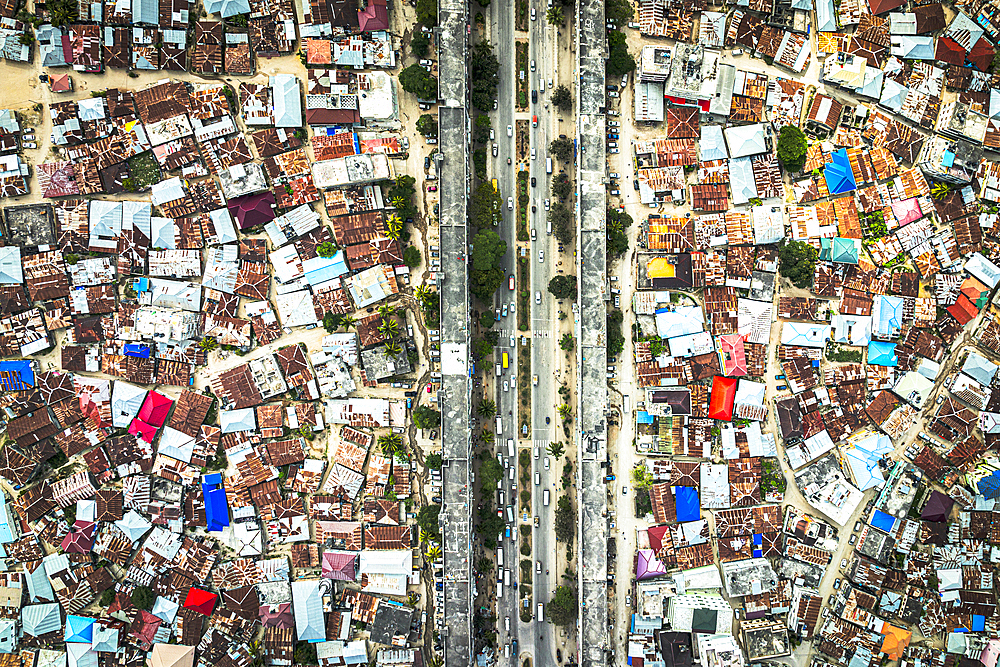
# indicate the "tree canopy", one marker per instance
pixel 619 12
pixel 618 222
pixel 486 276
pixel 562 187
pixel 427 12
pixel 620 61
pixel 562 608
pixel 427 125
pixel 562 99
pixel 490 472
pixel 616 340
pixel 565 520
pixel 427 519
pixel 792 148
pixel 484 72
pixel 433 461
pixel 425 417
pixel 143 597
pixel 418 81
pixel 401 193
pixel 326 249
pixel 420 44
pixel 411 256
pixel 485 206
pixel 561 149
pixel 563 287
pixel 563 225
pixel 797 262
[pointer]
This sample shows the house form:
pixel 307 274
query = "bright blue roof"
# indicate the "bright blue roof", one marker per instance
pixel 643 417
pixel 79 629
pixel 978 623
pixel 212 478
pixel 16 375
pixel 989 486
pixel 137 350
pixel 839 175
pixel 688 506
pixel 883 521
pixel 216 504
pixel 882 354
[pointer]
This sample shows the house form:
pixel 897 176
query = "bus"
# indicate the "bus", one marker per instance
pixel 499 427
pixel 500 556
pixel 506 361
pixel 548 165
pixel 506 577
pixel 510 448
pixel 496 186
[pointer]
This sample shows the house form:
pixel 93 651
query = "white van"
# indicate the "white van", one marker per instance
pixel 506 577
pixel 506 623
pixel 548 165
pixel 500 556
pixel 540 616
pixel 538 478
pixel 499 426
pixel 510 447
pixel 545 497
pixel 499 370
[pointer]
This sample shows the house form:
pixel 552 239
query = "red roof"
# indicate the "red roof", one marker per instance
pixel 723 394
pixel 201 601
pixel 879 6
pixel 253 210
pixel 732 355
pixel 949 51
pixel 981 54
pixel 80 538
pixel 374 17
pixel 155 409
pixel 145 431
pixel 963 310
pixel 656 534
pixel 61 83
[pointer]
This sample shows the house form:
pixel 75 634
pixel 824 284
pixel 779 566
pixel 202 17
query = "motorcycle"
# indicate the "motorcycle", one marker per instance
pixel 547 420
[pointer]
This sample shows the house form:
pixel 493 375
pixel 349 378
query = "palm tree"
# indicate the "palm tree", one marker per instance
pixel 385 310
pixel 421 292
pixel 398 202
pixel 487 408
pixel 555 15
pixel 555 449
pixel 389 328
pixel 390 443
pixel 435 661
pixel 393 230
pixel 433 552
pixel 940 190
pixel 488 437
pixel 348 321
pixel 564 411
pixel 424 536
pixel 392 348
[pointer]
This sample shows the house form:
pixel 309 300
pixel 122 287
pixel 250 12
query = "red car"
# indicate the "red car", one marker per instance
pixel 433 188
pixel 510 283
pixel 428 387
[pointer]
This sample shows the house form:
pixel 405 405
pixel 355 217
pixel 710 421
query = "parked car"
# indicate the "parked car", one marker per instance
pixel 432 188
pixel 857 526
pixel 30 144
pixel 612 87
pixel 546 204
pixel 495 151
pixel 427 162
pixel 612 94
pixel 532 181
pixel 843 563
pixel 853 539
pixel 779 377
pixel 624 490
pixel 836 584
pixel 541 256
pixel 532 13
pixel 510 130
pixel 781 387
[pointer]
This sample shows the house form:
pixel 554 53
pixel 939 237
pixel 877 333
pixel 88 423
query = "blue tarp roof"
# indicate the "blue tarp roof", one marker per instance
pixel 978 623
pixel 136 350
pixel 881 353
pixel 216 504
pixel 883 521
pixel 688 505
pixel 989 486
pixel 839 175
pixel 16 375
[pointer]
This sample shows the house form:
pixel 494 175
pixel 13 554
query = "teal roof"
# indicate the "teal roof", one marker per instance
pixel 882 354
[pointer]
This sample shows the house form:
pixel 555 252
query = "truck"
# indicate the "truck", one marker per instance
pixel 506 577
pixel 500 555
pixel 496 186
pixel 506 361
pixel 548 225
pixel 508 533
pixel 534 119
pixel 626 406
pixel 499 426
pixel 545 497
pixel 540 615
pixel 510 447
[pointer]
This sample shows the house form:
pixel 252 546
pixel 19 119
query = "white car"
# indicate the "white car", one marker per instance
pixel 30 144
pixel 510 203
pixel 512 342
pixel 546 462
pixel 506 387
pixel 494 150
pixel 541 256
pixel 532 65
pixel 532 13
pixel 532 153
pixel 510 130
pixel 492 134
pixel 546 204
pixel 538 297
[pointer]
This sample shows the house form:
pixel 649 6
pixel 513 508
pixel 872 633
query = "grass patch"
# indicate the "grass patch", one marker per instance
pixel 522 206
pixel 524 396
pixel 524 295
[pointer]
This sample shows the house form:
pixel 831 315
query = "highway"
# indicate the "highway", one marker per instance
pixel 537 641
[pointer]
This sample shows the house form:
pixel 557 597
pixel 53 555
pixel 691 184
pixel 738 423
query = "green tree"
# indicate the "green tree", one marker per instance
pixel 616 340
pixel 326 249
pixel 562 99
pixel 484 73
pixel 420 44
pixel 411 256
pixel 481 348
pixel 641 477
pixel 427 12
pixel 400 194
pixel 427 125
pixel 107 597
pixel 561 149
pixel 390 444
pixel 563 287
pixel 619 12
pixel 555 16
pixel 425 417
pixel 482 128
pixel 797 262
pixel 490 472
pixel 487 408
pixel 433 461
pixel 562 608
pixel 418 81
pixel 486 276
pixel 484 210
pixel 617 222
pixel 143 597
pixel 563 225
pixel 561 186
pixel 792 148
pixel 565 520
pixel 331 322
pixel 427 519
pixel 208 343
pixel 620 61
pixel 305 653
pixel 567 342
pixel 555 449
pixel 479 162
pixel 487 319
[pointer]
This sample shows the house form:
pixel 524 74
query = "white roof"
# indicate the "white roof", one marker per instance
pixel 746 140
pixel 133 525
pixel 176 445
pixel 165 608
pixel 307 603
pixel 126 401
pixel 804 334
pixel 983 269
pixel 11 272
pixel 233 421
pixel 979 367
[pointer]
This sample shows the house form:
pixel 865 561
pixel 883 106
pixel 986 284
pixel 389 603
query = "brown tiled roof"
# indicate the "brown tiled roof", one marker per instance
pixel 683 121
pixel 285 452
